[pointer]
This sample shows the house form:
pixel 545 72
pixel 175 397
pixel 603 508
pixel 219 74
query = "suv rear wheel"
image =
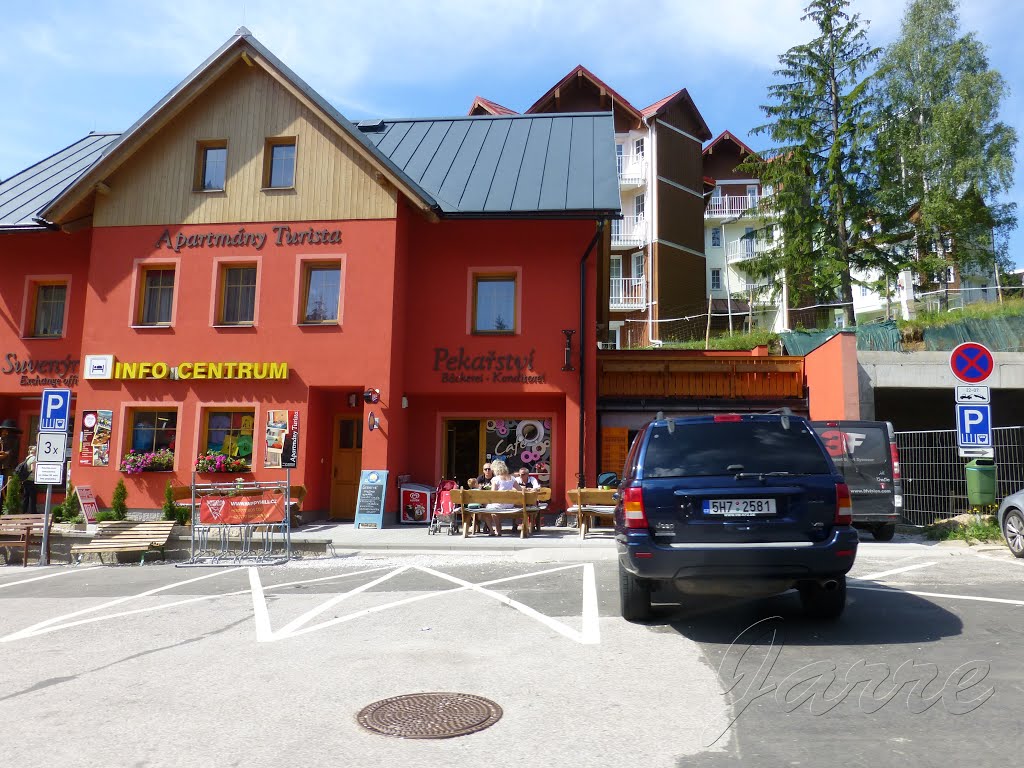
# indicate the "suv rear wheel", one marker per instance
pixel 823 600
pixel 884 532
pixel 634 597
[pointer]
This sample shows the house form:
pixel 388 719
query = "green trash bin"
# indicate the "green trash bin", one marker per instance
pixel 981 482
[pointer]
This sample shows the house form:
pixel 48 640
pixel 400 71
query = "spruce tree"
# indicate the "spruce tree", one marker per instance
pixel 820 126
pixel 118 501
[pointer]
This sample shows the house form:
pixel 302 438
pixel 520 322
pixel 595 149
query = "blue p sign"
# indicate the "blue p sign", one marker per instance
pixel 54 411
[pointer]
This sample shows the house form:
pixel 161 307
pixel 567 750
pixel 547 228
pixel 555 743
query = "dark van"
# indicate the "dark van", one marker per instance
pixel 865 452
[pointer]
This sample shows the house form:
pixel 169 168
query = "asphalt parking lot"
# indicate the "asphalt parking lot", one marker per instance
pixel 271 664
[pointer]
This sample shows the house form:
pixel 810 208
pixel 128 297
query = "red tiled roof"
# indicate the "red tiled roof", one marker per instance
pixel 657 106
pixel 580 69
pixel 648 111
pixel 491 107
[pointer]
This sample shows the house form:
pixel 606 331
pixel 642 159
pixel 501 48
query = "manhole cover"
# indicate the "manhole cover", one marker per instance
pixel 430 715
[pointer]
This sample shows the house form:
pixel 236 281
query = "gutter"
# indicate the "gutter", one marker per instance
pixel 581 474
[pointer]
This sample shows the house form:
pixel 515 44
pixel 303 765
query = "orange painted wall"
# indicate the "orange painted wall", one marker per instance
pixel 350 357
pixel 832 384
pixel 40 254
pixel 442 259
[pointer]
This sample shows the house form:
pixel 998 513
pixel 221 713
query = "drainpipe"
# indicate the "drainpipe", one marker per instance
pixel 580 476
pixel 652 186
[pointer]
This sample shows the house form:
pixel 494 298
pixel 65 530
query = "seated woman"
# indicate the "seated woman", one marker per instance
pixel 503 481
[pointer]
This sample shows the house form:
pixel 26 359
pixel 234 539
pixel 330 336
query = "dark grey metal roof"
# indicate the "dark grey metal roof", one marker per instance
pixel 552 165
pixel 26 193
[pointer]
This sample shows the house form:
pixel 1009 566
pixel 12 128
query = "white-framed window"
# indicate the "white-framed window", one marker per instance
pixel 751 194
pixel 614 338
pixel 638 206
pixel 615 279
pixel 716 237
pixel 638 148
pixel 638 264
pixel 716 194
pixel 863 291
pixel 716 279
pixel 748 240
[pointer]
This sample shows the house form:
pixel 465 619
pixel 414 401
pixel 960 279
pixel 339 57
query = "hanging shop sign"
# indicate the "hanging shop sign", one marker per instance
pixel 46 372
pixel 491 367
pixel 106 367
pixel 282 440
pixel 283 235
pixel 94 439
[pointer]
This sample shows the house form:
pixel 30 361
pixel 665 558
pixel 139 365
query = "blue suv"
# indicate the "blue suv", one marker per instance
pixel 731 504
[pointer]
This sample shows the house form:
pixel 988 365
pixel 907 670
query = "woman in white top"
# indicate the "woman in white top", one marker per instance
pixel 502 481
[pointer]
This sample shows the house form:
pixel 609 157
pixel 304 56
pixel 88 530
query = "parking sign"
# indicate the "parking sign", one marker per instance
pixel 53 414
pixel 973 426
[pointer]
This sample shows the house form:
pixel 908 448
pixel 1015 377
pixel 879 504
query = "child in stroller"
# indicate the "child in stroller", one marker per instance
pixel 445 514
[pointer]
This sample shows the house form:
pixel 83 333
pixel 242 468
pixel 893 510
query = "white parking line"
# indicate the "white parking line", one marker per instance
pixel 882 574
pixel 590 633
pixel 46 626
pixel 48 576
pixel 893 590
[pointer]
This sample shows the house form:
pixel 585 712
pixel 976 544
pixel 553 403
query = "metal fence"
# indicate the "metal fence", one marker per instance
pixel 934 479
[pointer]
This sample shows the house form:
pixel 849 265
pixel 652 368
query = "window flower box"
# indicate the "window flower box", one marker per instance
pixel 136 462
pixel 215 461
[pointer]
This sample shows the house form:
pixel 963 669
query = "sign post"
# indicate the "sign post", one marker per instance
pixel 972 363
pixel 51 448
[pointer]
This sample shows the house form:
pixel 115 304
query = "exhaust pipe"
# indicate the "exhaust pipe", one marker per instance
pixel 830 585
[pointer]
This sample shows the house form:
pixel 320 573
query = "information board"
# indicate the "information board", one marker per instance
pixel 87 501
pixel 373 485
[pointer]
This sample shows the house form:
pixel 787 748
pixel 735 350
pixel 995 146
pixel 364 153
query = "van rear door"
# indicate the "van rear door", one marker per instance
pixel 863 451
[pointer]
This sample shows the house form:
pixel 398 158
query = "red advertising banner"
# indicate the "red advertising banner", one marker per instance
pixel 94 443
pixel 266 507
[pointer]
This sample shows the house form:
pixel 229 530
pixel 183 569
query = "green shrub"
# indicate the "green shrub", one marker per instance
pixel 172 509
pixel 12 500
pixel 117 502
pixel 106 514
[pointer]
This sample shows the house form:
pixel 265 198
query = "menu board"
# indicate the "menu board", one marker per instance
pixel 373 485
pixel 94 442
pixel 87 501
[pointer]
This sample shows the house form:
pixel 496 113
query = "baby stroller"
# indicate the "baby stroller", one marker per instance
pixel 444 514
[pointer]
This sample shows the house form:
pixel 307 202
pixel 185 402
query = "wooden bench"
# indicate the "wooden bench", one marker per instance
pixel 590 504
pixel 127 536
pixel 22 529
pixel 474 502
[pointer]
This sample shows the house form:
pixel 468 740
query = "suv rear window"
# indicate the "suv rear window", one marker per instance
pixel 723 448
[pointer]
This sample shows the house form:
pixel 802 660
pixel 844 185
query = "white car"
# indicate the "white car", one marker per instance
pixel 1011 521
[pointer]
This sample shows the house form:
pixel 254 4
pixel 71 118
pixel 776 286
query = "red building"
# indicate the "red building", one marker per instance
pixel 418 292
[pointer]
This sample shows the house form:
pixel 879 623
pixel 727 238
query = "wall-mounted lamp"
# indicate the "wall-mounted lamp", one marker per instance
pixel 567 365
pixel 405 401
pixel 372 422
pixel 371 396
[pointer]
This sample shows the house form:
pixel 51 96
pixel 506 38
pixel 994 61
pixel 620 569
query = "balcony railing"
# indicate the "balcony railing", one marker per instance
pixel 741 250
pixel 632 170
pixel 627 293
pixel 629 231
pixel 731 205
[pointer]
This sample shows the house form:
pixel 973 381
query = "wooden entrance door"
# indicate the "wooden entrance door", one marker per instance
pixel 346 463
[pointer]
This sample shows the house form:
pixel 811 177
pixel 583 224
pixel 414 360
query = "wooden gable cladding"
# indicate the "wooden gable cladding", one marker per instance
pixel 244 107
pixel 665 375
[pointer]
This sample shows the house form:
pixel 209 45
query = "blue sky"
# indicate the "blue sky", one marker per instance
pixel 75 67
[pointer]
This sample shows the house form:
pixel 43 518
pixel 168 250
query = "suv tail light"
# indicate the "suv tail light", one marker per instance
pixel 844 505
pixel 895 462
pixel 633 508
